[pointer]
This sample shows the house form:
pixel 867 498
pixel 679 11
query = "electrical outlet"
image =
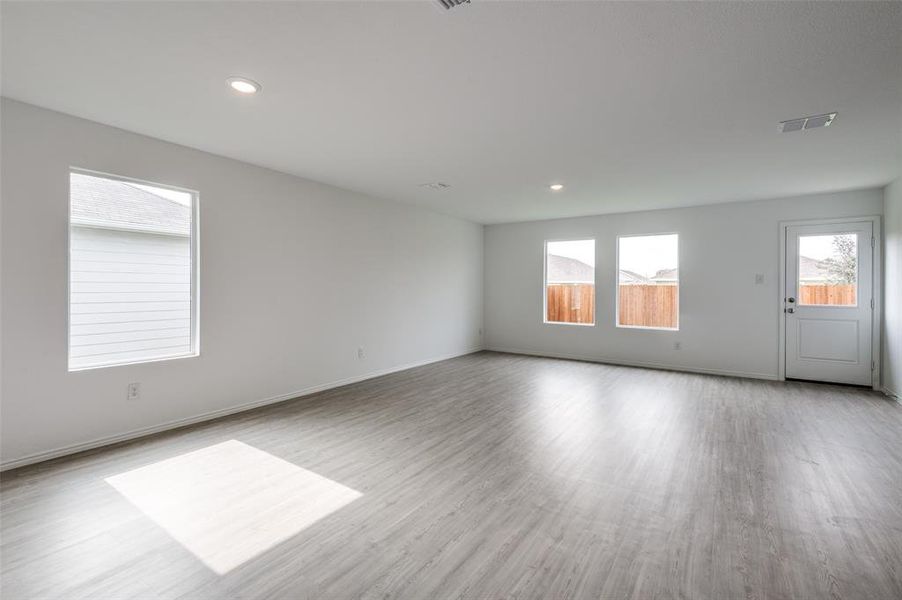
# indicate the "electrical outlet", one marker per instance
pixel 134 391
pixel 759 278
pixel 676 346
pixel 360 353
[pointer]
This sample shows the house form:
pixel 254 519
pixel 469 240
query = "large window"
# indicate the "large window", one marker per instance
pixel 132 276
pixel 648 280
pixel 570 282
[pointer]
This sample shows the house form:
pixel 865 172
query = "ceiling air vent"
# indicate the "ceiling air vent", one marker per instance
pixel 812 122
pixel 449 4
pixel 436 185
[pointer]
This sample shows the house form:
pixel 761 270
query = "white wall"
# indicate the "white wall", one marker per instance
pixel 728 324
pixel 294 276
pixel 892 289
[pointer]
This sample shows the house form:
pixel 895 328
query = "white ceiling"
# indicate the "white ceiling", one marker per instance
pixel 631 105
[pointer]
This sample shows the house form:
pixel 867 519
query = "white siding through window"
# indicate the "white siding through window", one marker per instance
pixel 129 292
pixel 130 296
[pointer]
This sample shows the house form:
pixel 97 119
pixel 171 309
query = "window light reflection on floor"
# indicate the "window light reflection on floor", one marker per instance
pixel 230 502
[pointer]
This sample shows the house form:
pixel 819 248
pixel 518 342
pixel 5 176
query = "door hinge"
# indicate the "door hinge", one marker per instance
pixel 872 304
pixel 873 366
pixel 873 242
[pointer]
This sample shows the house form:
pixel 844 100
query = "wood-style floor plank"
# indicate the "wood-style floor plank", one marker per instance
pixel 503 476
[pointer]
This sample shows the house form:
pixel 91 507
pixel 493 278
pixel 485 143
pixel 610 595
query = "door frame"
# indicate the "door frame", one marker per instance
pixel 876 291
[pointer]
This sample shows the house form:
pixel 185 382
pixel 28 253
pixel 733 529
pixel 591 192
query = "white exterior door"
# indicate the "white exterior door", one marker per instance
pixel 829 302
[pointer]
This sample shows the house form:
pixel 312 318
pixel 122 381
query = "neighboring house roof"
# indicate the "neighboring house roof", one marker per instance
pixel 666 275
pixel 564 269
pixel 631 277
pixel 102 202
pixel 811 269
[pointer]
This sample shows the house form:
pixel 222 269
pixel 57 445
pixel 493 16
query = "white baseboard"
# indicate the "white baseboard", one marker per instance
pixel 174 424
pixel 633 363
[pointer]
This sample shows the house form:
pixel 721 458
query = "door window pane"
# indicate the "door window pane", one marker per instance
pixel 828 270
pixel 570 282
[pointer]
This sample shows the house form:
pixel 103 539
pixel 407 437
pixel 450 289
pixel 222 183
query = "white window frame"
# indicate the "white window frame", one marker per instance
pixel 617 283
pixel 194 244
pixel 545 282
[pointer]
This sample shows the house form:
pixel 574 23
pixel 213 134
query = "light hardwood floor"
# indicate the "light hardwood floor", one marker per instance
pixel 493 476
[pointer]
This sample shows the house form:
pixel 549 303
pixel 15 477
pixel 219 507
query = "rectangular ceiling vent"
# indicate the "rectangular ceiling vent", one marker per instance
pixel 449 4
pixel 436 185
pixel 812 122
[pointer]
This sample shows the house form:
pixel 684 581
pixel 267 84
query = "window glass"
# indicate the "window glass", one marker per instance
pixel 570 282
pixel 131 272
pixel 648 281
pixel 828 269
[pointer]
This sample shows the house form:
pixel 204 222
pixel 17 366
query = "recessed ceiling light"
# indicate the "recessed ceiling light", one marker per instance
pixel 244 85
pixel 556 187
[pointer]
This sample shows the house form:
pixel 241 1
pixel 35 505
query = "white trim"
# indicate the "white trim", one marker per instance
pixel 215 414
pixel 156 184
pixel 634 363
pixel 876 289
pixel 876 296
pixel 781 301
pixel 892 394
pixel 107 365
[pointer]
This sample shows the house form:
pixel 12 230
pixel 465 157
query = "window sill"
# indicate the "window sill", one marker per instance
pixel 648 328
pixel 137 362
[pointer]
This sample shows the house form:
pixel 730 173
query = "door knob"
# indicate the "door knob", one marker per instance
pixel 790 310
pixel 790 299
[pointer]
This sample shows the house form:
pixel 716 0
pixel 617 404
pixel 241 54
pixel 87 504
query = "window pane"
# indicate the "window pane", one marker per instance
pixel 570 282
pixel 130 272
pixel 828 269
pixel 648 281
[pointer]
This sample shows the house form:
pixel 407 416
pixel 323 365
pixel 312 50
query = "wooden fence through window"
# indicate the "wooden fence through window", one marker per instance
pixel 571 303
pixel 657 305
pixel 649 305
pixel 841 294
pixel 640 305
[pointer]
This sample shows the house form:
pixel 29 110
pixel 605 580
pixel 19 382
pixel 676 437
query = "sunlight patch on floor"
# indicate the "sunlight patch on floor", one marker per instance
pixel 230 502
